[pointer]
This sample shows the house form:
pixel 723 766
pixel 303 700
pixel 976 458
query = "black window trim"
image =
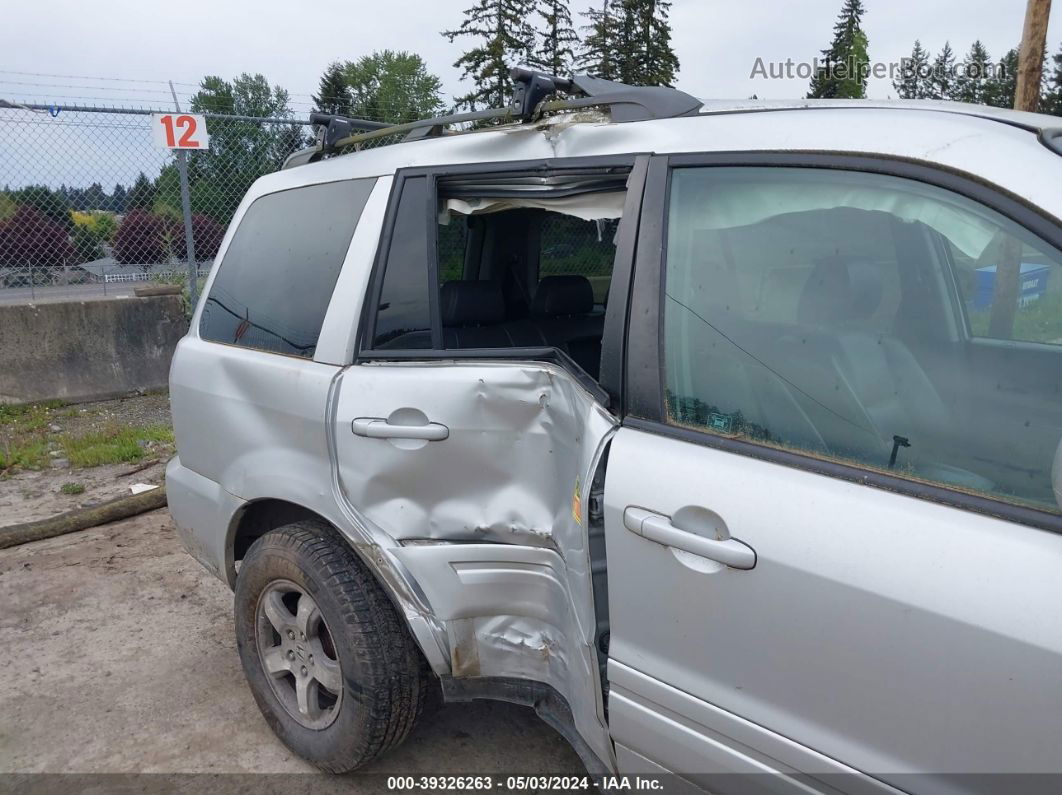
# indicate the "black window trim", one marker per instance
pixel 643 391
pixel 633 164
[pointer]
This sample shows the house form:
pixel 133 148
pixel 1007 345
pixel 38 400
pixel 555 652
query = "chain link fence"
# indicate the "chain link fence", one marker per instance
pixel 89 204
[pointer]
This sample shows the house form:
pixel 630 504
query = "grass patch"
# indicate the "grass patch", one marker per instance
pixel 29 416
pixel 24 435
pixel 114 445
pixel 72 488
pixel 24 453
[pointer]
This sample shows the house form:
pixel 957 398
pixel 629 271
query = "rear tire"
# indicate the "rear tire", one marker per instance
pixel 348 683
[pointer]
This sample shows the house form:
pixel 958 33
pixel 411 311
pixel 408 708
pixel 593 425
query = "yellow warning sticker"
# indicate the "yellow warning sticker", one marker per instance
pixel 577 504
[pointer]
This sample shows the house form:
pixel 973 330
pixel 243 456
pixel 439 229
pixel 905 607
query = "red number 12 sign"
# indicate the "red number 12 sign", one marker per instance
pixel 180 131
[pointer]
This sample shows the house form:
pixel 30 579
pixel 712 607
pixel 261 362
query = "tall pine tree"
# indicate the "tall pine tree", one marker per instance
pixel 844 73
pixel 556 40
pixel 333 93
pixel 942 82
pixel 600 55
pixel 118 198
pixel 913 82
pixel 630 41
pixel 656 62
pixel 1003 84
pixel 1052 95
pixel 973 81
pixel 503 38
pixel 142 195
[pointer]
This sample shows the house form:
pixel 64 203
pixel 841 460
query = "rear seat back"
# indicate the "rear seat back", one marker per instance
pixel 473 314
pixel 562 316
pixel 563 308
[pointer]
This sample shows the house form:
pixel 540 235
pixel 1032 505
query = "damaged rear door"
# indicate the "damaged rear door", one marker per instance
pixel 476 462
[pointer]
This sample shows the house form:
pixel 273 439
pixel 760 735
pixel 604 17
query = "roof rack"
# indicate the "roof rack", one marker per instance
pixel 626 103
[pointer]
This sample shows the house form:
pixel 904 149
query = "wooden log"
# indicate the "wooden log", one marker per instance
pixel 82 518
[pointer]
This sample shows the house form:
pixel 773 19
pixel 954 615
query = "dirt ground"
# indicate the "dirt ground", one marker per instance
pixel 33 495
pixel 119 657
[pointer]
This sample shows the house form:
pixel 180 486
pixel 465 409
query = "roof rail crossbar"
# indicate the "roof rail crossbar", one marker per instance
pixel 1051 137
pixel 337 127
pixel 530 101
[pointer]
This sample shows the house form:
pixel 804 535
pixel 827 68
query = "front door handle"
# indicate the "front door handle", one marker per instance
pixel 378 428
pixel 659 529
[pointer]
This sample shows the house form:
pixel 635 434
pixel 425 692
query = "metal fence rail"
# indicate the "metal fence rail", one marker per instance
pixel 90 205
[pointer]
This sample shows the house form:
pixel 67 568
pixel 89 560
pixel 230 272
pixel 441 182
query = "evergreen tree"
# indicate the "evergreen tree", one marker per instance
pixel 1052 95
pixel 1003 83
pixel 655 61
pixel 333 93
pixel 972 84
pixel 600 56
pixel 913 82
pixel 554 51
pixel 94 197
pixel 844 73
pixel 118 198
pixel 630 41
pixel 53 205
pixel 942 81
pixel 503 38
pixel 142 194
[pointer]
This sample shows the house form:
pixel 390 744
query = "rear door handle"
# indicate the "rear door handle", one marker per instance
pixel 659 529
pixel 378 428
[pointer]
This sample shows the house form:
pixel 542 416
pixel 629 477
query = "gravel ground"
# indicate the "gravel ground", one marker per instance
pixel 119 658
pixel 148 409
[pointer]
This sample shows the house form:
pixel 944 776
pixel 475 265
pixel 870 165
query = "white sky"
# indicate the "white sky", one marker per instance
pixel 717 43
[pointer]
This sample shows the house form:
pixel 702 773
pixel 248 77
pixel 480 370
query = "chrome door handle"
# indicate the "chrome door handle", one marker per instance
pixel 657 528
pixel 377 428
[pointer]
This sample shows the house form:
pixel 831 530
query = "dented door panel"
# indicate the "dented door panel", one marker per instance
pixel 490 521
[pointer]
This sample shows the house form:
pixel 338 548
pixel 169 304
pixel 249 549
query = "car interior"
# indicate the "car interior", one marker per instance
pixel 844 332
pixel 518 272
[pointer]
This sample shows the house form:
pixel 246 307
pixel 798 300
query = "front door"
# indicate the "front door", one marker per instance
pixel 833 545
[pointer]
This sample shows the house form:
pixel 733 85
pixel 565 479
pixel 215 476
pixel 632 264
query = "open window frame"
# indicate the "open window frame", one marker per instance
pixel 607 389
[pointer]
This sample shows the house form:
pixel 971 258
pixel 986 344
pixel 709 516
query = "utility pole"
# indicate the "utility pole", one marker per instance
pixel 1031 56
pixel 1026 97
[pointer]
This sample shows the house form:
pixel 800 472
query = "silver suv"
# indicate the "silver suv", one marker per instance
pixel 726 435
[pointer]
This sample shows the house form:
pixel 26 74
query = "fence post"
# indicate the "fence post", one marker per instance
pixel 186 211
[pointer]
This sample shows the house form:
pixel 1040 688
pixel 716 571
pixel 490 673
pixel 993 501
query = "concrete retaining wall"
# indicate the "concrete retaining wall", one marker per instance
pixel 87 350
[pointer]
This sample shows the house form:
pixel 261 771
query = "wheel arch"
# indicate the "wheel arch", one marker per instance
pixel 257 517
pixel 254 520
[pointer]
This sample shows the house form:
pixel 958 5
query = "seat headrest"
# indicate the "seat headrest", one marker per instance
pixel 471 303
pixel 563 295
pixel 841 289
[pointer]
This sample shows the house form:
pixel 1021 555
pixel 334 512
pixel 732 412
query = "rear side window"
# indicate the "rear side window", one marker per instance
pixel 275 281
